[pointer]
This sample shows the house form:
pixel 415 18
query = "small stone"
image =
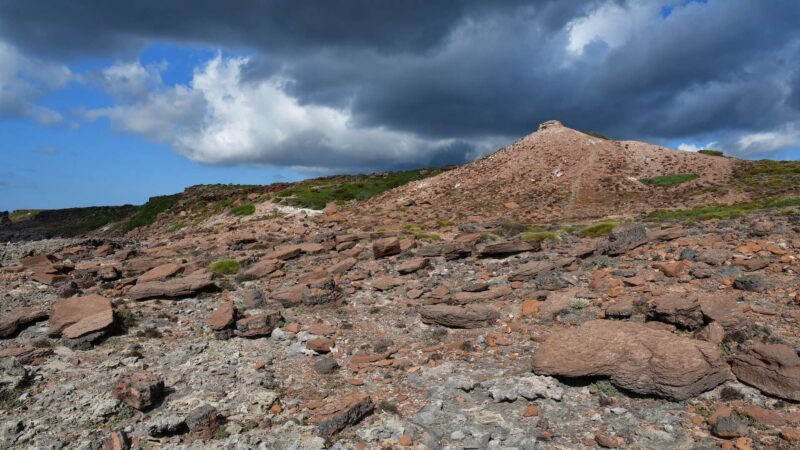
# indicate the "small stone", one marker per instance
pixel 203 420
pixel 385 247
pixel 531 411
pixel 320 345
pixel 790 434
pixel 118 440
pixel 606 441
pixel 325 366
pixel 139 390
pixel 293 327
pixel 530 307
pixel 406 440
pixel 222 317
pixel 728 427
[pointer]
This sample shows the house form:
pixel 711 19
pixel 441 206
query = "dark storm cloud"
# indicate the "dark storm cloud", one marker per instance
pixel 467 70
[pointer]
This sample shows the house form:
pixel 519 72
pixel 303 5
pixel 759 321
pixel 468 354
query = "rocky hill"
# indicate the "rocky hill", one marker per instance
pixel 561 174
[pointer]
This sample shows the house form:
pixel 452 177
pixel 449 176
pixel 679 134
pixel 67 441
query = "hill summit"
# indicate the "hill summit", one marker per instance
pixel 558 173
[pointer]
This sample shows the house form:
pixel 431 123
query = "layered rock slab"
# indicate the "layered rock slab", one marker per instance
pixel 634 357
pixel 772 368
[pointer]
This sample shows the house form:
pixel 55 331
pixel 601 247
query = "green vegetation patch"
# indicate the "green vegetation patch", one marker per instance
pixel 315 194
pixel 598 229
pixel 709 152
pixel 23 214
pixel 539 236
pixel 147 213
pixel 708 212
pixel 9 399
pixel 420 234
pixel 243 210
pixel 670 180
pixel 225 267
pixel 768 178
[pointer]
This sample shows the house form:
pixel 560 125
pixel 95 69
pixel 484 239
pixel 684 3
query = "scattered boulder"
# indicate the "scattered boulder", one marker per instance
pixel 772 368
pixel 728 427
pixel 222 317
pixel 78 316
pixel 203 421
pixel 623 241
pixel 325 366
pixel 752 283
pixel 261 269
pixel 449 250
pixel 412 265
pixel 634 357
pixel 507 248
pixel 342 412
pixel 470 316
pixel 161 272
pixel 258 324
pixel 679 309
pixel 139 390
pixel 172 288
pixel 19 317
pixel 535 268
pixel 382 248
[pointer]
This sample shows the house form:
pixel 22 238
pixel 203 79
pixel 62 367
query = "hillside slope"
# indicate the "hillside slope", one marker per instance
pixel 558 173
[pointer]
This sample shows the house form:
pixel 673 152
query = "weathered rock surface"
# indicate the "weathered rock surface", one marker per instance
pixel 19 317
pixel 342 412
pixel 634 357
pixel 139 390
pixel 81 315
pixel 382 248
pixel 772 368
pixel 173 288
pixel 470 316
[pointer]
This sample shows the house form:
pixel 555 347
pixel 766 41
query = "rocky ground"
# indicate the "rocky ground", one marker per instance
pixel 679 336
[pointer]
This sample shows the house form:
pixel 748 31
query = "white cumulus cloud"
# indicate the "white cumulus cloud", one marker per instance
pixel 219 118
pixel 23 80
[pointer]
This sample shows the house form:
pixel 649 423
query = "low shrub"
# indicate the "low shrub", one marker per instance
pixel 225 267
pixel 598 229
pixel 243 210
pixel 670 180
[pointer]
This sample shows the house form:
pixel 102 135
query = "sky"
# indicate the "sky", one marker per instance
pixel 116 101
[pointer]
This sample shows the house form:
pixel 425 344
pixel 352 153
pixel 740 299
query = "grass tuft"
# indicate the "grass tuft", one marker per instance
pixel 420 234
pixel 539 236
pixel 598 229
pixel 243 210
pixel 706 151
pixel 225 267
pixel 670 180
pixel 709 212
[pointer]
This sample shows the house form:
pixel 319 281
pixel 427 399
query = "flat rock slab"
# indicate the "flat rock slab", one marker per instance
pixel 508 248
pixel 222 317
pixel 532 269
pixel 160 273
pixel 772 368
pixel 634 357
pixel 470 316
pixel 18 317
pixel 261 269
pixel 90 324
pixel 83 315
pixel 385 247
pixel 341 412
pixel 174 288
